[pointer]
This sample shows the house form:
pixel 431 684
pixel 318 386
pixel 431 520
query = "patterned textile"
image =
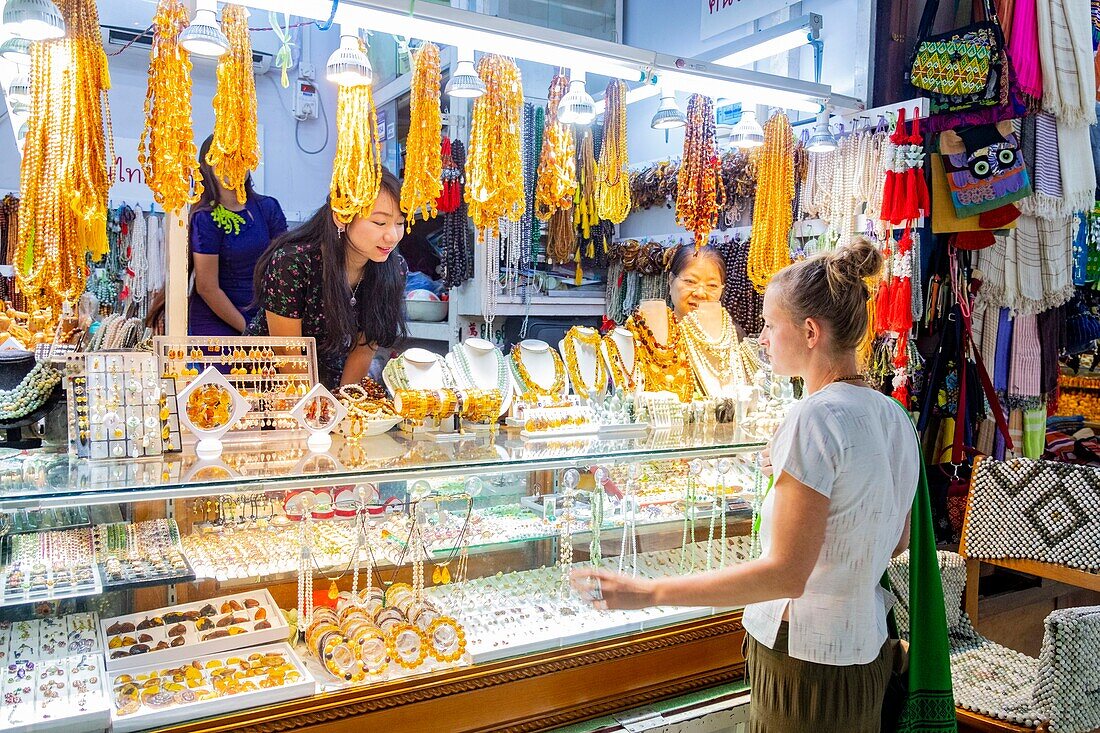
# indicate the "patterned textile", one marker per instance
pixel 1037 510
pixel 1029 270
pixel 953 572
pixel 1065 51
pixel 1069 678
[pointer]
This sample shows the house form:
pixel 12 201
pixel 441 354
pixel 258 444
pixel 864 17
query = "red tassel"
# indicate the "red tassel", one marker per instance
pixel 882 307
pixel 903 306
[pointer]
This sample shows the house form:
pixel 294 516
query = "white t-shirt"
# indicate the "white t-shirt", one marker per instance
pixel 857 447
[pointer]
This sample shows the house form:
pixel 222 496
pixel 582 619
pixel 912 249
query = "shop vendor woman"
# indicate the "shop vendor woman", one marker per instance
pixel 343 284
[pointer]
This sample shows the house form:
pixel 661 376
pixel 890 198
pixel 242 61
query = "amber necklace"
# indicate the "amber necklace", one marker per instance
pixel 580 386
pixel 665 365
pixel 622 376
pixel 529 383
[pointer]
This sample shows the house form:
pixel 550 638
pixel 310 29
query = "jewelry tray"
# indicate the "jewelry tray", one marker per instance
pixel 178 713
pixel 91 585
pixel 96 717
pixel 193 646
pixel 185 576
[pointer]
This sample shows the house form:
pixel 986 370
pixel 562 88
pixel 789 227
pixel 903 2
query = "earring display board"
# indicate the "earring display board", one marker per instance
pixel 120 409
pixel 272 374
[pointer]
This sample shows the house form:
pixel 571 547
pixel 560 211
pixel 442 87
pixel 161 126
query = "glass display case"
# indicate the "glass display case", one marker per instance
pixel 392 581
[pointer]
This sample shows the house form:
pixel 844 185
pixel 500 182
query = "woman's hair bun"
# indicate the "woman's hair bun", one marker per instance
pixel 853 263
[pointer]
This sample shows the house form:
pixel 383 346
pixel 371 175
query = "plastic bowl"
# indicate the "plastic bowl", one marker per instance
pixel 426 310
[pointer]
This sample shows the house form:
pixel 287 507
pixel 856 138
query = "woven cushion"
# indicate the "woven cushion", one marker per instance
pixel 953 572
pixel 1067 689
pixel 1036 510
pixel 993 680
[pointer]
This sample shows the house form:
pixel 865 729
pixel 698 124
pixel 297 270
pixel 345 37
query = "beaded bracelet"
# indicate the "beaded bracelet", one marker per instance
pixel 401 657
pixel 437 646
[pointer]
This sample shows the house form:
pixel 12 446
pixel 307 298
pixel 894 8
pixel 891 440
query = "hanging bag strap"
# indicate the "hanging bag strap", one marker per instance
pixel 927 19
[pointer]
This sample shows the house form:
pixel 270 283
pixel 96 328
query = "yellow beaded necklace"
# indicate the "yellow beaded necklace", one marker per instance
pixel 769 250
pixel 166 151
pixel 235 150
pixel 424 161
pixel 494 165
pixel 580 386
pixel 530 386
pixel 613 177
pixel 357 169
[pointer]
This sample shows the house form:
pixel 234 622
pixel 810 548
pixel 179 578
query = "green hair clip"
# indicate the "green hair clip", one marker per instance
pixel 228 221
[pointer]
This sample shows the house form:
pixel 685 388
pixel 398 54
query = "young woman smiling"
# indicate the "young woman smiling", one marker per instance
pixel 342 284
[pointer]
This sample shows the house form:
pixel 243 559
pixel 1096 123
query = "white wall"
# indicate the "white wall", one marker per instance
pixel 298 180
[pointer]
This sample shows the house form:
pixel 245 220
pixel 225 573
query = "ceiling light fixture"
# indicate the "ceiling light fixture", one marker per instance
pixel 769 42
pixel 577 106
pixel 822 139
pixel 747 133
pixel 16 50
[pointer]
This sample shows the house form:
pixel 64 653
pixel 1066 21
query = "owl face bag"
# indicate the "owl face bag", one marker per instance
pixel 989 174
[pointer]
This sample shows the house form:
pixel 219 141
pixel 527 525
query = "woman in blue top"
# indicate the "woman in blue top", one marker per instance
pixel 226 239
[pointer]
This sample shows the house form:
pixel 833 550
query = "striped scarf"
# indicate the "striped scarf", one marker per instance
pixel 1065 51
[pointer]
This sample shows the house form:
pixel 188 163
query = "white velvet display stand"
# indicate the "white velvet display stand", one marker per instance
pixel 588 364
pixel 424 370
pixel 538 360
pixel 483 358
pixel 624 340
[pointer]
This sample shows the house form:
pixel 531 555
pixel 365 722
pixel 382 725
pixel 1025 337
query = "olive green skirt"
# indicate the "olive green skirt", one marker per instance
pixel 794 696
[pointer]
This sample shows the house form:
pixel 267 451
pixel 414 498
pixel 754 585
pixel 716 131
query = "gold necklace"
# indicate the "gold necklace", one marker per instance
pixel 580 387
pixel 665 366
pixel 529 383
pixel 622 376
pixel 235 149
pixel 424 164
pixel 719 356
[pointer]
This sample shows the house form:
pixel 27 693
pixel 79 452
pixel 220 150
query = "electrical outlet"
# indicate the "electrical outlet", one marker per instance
pixel 307 70
pixel 305 100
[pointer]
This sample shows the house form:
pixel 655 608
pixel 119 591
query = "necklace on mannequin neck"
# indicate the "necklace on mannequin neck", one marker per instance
pixel 620 374
pixel 580 386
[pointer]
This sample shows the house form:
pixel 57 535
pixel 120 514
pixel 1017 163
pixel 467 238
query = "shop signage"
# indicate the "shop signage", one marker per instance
pixel 719 16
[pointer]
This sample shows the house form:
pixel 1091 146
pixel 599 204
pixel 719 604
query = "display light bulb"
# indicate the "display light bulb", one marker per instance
pixel 348 65
pixel 577 106
pixel 34 20
pixel 16 50
pixel 822 139
pixel 203 37
pixel 747 133
pixel 20 89
pixel 465 82
pixel 668 115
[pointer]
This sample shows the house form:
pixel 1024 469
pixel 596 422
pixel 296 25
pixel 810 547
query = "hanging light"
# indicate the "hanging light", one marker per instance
pixel 20 89
pixel 203 37
pixel 668 115
pixel 577 106
pixel 35 20
pixel 465 82
pixel 348 66
pixel 16 50
pixel 822 139
pixel 747 133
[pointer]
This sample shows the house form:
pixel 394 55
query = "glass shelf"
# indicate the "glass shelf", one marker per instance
pixel 44 478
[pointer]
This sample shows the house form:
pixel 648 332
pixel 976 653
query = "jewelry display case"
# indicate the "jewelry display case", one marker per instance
pixel 387 581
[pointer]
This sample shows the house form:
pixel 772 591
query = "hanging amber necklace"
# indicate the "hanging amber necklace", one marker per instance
pixel 580 386
pixel 622 376
pixel 423 160
pixel 769 249
pixel 235 149
pixel 699 190
pixel 665 366
pixel 530 386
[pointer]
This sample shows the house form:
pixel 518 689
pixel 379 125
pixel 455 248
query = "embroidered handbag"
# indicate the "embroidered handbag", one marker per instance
pixel 988 174
pixel 963 69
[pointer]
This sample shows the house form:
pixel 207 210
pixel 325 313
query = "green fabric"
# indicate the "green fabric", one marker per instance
pixel 930 707
pixel 1035 432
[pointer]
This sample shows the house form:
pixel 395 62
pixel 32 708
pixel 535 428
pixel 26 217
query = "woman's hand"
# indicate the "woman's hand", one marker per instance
pixel 766 460
pixel 606 590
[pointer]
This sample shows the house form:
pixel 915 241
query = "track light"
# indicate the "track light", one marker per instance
pixel 16 50
pixel 20 89
pixel 822 139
